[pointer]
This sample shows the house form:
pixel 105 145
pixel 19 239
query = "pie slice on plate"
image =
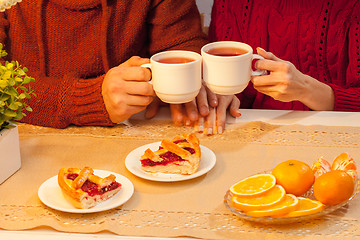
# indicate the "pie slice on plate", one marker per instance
pixel 84 189
pixel 181 155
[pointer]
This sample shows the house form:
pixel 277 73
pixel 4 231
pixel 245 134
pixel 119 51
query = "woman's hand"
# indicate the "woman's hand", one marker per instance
pixel 125 89
pixel 215 122
pixel 207 113
pixel 187 113
pixel 286 83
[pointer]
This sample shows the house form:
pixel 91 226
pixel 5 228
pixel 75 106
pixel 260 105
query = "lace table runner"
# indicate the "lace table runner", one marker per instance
pixel 191 208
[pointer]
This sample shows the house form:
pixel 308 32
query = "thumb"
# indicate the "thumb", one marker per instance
pixel 152 109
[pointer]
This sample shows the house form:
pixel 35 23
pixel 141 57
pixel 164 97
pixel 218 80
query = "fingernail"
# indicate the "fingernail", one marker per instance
pixel 188 122
pixel 210 131
pixel 201 128
pixel 220 130
pixel 196 128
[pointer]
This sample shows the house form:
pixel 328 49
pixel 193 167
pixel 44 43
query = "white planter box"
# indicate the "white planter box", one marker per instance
pixel 10 160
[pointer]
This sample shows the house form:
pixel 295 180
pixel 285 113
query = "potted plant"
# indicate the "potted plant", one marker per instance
pixel 14 89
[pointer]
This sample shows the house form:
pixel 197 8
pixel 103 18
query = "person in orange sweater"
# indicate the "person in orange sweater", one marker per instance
pixel 84 56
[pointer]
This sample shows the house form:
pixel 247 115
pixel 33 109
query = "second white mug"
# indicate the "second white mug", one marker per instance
pixel 227 66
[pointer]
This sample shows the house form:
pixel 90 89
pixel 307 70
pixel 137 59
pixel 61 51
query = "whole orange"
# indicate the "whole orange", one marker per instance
pixel 333 187
pixel 295 176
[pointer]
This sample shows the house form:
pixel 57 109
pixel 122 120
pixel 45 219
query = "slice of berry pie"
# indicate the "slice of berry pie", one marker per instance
pixel 181 155
pixel 84 189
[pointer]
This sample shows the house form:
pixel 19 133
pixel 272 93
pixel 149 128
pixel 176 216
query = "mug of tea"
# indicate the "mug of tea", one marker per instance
pixel 227 66
pixel 176 75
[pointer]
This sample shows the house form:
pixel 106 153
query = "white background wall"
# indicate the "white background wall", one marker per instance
pixel 205 7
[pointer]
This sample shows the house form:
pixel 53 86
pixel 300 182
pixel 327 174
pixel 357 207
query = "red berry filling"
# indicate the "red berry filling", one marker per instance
pixel 167 157
pixel 92 188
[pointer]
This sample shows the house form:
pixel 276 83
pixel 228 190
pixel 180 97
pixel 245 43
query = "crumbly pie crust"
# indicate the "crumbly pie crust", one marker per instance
pixel 181 155
pixel 84 189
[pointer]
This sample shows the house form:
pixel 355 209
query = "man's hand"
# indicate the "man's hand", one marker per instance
pixel 125 89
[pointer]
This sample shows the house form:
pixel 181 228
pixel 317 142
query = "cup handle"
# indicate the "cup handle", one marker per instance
pixel 258 72
pixel 147 65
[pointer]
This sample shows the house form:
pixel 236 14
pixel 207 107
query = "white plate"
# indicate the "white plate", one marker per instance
pixel 133 164
pixel 51 195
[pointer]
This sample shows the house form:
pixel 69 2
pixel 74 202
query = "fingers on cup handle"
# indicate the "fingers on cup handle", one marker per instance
pixel 258 72
pixel 147 65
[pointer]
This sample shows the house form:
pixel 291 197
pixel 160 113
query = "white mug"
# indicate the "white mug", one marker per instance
pixel 176 75
pixel 227 66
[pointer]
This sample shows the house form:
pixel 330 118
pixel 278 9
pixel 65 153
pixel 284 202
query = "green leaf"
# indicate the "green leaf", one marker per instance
pixel 21 72
pixel 10 113
pixel 23 88
pixel 13 106
pixel 6 75
pixel 12 91
pixel 10 66
pixel 19 116
pixel 22 96
pixel 18 80
pixel 12 82
pixel 3 84
pixel 27 80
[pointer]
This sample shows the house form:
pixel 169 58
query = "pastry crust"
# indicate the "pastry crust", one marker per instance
pixel 185 147
pixel 71 181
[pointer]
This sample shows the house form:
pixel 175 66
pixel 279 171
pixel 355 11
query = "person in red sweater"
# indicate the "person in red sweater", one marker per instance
pixel 313 51
pixel 84 56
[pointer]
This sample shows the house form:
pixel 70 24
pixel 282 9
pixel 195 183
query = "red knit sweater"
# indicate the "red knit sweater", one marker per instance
pixel 69 45
pixel 321 38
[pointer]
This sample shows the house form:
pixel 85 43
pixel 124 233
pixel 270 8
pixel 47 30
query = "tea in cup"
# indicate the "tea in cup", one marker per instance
pixel 176 75
pixel 227 66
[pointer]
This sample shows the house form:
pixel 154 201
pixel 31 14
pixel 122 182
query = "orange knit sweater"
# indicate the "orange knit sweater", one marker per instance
pixel 69 45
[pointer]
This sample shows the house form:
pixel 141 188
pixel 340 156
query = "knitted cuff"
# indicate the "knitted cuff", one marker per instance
pixel 346 99
pixel 88 104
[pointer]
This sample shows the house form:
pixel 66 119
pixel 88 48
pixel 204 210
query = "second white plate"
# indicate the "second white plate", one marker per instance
pixel 51 195
pixel 133 164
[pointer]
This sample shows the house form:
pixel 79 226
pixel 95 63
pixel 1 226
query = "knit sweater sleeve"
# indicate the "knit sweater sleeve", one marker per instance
pixel 347 97
pixel 71 100
pixel 3 25
pixel 62 101
pixel 175 25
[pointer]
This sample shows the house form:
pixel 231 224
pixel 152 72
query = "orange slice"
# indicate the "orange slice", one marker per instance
pixel 343 162
pixel 320 167
pixel 258 202
pixel 253 185
pixel 288 204
pixel 306 206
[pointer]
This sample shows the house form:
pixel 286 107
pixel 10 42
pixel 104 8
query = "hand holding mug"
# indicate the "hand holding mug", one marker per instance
pixel 286 83
pixel 126 90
